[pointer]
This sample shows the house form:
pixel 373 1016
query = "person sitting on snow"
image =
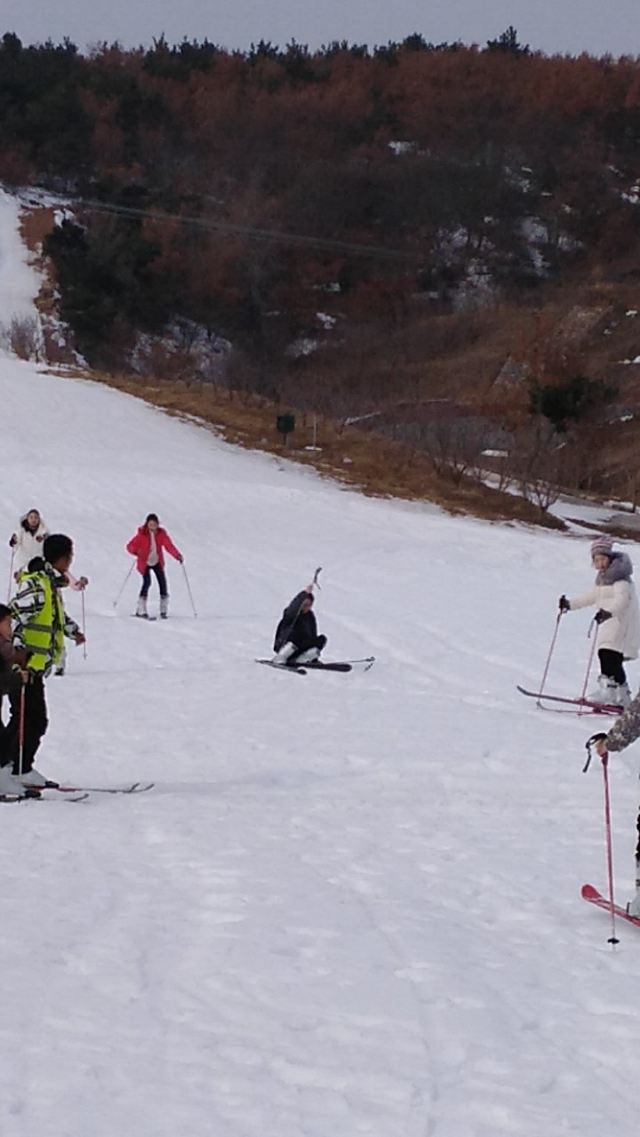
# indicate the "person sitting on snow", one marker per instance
pixel 618 620
pixel 296 639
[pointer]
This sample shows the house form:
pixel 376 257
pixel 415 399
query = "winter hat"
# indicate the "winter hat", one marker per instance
pixel 602 545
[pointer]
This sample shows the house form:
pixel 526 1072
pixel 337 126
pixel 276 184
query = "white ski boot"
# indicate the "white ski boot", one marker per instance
pixel 9 784
pixel 141 609
pixel 281 657
pixel 309 656
pixel 601 692
pixel 618 694
pixel 34 780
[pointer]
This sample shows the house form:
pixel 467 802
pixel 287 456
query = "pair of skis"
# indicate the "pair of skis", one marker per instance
pixel 584 706
pixel 318 665
pixel 50 791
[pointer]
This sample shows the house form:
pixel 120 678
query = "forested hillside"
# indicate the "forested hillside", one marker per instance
pixel 353 230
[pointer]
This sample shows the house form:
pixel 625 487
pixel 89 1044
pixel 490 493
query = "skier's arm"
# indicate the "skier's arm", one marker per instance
pixel 70 628
pixel 621 598
pixel 584 601
pixel 292 611
pixel 133 546
pixel 171 548
pixel 627 728
pixel 26 604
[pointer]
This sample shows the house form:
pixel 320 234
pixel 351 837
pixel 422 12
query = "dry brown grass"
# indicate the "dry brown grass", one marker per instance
pixel 377 466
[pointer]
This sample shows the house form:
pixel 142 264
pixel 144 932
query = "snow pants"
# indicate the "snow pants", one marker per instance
pixel 160 577
pixel 320 642
pixel 611 664
pixel 35 723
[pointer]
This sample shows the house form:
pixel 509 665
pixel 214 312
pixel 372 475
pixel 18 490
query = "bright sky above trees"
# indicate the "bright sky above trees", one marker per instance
pixel 551 26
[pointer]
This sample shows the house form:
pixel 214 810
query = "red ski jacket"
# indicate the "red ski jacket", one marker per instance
pixel 140 547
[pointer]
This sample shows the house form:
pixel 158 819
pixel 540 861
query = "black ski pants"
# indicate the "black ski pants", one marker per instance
pixel 160 577
pixel 320 642
pixel 611 664
pixel 35 723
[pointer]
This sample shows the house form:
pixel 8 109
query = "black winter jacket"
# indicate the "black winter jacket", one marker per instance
pixel 296 627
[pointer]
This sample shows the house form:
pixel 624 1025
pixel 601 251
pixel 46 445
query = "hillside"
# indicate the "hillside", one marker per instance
pixel 351 904
pixel 356 232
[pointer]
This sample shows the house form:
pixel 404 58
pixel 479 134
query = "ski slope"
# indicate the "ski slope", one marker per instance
pixel 350 907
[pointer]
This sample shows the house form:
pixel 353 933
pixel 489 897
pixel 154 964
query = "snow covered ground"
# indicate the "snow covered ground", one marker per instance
pixel 19 280
pixel 350 907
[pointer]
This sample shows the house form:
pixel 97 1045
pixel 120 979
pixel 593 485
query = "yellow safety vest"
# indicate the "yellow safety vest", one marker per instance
pixel 44 634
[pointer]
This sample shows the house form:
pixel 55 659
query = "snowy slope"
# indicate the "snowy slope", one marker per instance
pixel 19 280
pixel 351 905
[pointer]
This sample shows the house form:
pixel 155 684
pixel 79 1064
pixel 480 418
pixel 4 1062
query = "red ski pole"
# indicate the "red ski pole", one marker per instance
pixel 21 731
pixel 607 821
pixel 551 649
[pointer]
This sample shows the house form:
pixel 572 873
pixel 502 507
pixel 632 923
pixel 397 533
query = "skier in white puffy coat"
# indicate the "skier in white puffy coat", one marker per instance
pixel 27 540
pixel 617 617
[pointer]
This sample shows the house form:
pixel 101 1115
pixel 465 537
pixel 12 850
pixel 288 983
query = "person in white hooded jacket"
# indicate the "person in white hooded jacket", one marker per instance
pixel 27 541
pixel 617 617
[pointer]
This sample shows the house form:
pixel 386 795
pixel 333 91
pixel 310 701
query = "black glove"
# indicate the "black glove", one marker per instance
pixel 13 541
pixel 602 615
pixel 563 604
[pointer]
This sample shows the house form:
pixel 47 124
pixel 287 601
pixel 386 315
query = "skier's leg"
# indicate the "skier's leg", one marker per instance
pixel 286 654
pixel 35 722
pixel 312 653
pixel 141 609
pixel 164 593
pixel 613 679
pixel 633 907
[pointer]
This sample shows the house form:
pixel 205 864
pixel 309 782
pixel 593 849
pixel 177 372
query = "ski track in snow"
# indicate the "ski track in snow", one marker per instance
pixel 350 907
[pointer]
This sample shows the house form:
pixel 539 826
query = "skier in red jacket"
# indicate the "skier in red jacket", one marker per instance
pixel 148 547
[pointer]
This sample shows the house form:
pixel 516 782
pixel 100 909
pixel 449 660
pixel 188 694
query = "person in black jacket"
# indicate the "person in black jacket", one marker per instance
pixel 11 680
pixel 296 639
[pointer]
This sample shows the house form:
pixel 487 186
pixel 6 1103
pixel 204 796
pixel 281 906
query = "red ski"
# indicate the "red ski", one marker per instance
pixel 588 892
pixel 587 704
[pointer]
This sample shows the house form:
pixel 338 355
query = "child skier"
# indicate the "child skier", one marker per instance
pixel 27 542
pixel 148 547
pixel 40 625
pixel 618 620
pixel 296 639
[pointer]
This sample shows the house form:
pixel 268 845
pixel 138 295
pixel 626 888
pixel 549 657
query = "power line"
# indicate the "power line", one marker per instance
pixel 275 236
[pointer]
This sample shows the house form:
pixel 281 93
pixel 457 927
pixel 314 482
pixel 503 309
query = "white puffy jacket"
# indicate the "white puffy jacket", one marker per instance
pixel 29 545
pixel 622 632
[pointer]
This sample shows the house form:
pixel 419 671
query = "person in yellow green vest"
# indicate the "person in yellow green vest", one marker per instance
pixel 40 627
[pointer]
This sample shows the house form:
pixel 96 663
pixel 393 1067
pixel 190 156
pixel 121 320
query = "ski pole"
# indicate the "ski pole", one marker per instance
pixel 13 553
pixel 21 717
pixel 551 650
pixel 84 627
pixel 315 582
pixel 115 603
pixel 186 578
pixel 589 665
pixel 604 758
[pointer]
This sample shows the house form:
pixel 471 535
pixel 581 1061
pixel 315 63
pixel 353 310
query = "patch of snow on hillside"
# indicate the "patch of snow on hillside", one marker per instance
pixel 19 280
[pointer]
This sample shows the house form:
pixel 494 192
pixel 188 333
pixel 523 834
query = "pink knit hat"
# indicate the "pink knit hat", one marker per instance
pixel 602 545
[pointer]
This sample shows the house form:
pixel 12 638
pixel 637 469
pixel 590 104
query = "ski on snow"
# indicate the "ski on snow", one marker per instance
pixel 587 704
pixel 588 892
pixel 133 788
pixel 318 665
pixel 13 799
